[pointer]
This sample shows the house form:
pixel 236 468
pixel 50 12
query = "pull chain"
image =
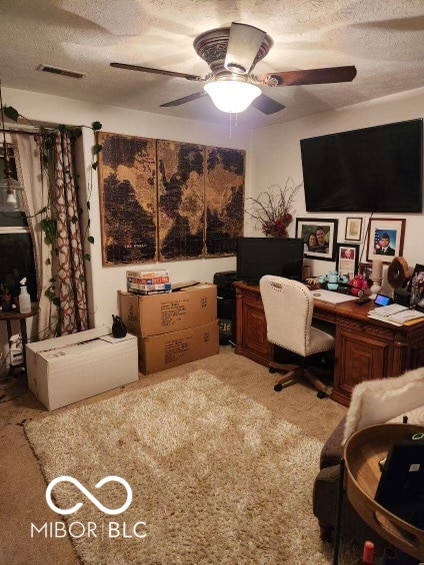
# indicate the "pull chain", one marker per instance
pixel 231 122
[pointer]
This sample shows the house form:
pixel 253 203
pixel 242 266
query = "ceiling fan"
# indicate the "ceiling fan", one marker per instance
pixel 232 53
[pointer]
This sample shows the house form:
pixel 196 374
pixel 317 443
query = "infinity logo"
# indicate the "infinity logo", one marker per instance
pixel 111 478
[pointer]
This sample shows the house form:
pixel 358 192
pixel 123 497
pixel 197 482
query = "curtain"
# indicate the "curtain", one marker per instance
pixel 65 265
pixel 71 277
pixel 30 174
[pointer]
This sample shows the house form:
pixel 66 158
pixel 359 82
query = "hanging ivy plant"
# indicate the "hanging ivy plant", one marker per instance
pixel 48 214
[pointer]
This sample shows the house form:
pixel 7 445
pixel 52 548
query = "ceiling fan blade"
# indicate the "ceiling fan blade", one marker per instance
pixel 243 45
pixel 185 99
pixel 156 71
pixel 267 105
pixel 312 76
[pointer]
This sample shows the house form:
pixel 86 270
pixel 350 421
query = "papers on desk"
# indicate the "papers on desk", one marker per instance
pixel 396 314
pixel 331 296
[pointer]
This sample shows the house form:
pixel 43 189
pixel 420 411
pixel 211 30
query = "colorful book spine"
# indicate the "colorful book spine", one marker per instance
pixel 148 282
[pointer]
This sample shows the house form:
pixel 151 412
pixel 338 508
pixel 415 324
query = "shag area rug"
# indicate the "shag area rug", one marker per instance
pixel 215 477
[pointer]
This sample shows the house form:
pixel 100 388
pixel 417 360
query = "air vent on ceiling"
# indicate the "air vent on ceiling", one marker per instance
pixel 57 71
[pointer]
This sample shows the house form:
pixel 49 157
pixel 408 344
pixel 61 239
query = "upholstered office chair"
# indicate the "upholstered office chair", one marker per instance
pixel 288 309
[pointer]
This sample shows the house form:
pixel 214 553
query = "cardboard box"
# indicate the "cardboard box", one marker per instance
pixel 163 351
pixel 161 313
pixel 69 368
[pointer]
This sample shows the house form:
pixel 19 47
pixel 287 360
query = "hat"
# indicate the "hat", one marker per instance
pixel 385 236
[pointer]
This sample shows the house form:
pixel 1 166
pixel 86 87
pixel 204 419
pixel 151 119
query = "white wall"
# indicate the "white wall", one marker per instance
pixel 107 280
pixel 276 151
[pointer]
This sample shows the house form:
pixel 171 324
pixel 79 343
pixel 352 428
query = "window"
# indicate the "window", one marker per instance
pixel 16 249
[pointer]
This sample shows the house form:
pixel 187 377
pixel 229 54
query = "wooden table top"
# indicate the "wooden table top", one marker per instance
pixel 16 315
pixel 348 309
pixel 362 453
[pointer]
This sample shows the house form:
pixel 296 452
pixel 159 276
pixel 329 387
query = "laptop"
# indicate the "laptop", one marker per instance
pixel 401 486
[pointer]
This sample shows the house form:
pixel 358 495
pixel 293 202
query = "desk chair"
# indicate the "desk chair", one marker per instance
pixel 288 309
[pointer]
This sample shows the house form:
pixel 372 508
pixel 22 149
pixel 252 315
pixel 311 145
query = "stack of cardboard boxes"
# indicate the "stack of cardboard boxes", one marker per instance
pixel 173 328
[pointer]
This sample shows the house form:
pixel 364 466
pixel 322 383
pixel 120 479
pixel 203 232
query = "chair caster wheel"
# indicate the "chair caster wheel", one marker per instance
pixel 278 388
pixel 272 371
pixel 321 394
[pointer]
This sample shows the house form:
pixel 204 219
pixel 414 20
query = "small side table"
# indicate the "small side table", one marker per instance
pixel 362 452
pixel 16 315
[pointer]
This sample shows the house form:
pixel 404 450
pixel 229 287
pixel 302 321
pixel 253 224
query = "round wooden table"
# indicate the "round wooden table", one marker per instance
pixel 362 453
pixel 8 317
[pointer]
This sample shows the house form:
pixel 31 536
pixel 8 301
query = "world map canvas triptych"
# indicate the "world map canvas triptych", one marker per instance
pixel 168 200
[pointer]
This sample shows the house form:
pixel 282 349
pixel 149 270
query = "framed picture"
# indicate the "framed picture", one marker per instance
pixel 417 280
pixel 353 229
pixel 385 238
pixel 319 237
pixel 365 269
pixel 347 259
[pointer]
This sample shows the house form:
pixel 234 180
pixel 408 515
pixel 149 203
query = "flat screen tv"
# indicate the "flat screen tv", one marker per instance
pixel 258 256
pixel 376 169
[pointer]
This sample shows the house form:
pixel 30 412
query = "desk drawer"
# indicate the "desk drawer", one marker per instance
pixel 254 330
pixel 359 358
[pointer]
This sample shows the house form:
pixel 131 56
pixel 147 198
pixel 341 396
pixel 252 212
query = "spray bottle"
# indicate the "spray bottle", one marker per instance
pixel 24 298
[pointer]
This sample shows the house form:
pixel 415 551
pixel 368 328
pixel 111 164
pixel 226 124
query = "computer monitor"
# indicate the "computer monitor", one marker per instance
pixel 258 256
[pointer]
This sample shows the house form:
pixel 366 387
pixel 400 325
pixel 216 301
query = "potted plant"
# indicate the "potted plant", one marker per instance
pixel 271 210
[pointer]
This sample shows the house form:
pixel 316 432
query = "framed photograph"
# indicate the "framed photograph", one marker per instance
pixel 417 280
pixel 365 270
pixel 347 259
pixel 385 238
pixel 353 229
pixel 319 237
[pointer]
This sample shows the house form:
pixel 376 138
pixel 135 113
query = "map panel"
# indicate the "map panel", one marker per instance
pixel 224 194
pixel 181 208
pixel 128 200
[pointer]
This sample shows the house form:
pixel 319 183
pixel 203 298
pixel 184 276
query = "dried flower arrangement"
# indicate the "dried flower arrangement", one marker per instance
pixel 271 210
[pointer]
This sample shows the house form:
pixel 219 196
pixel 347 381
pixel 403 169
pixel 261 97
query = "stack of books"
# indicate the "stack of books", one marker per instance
pixel 148 282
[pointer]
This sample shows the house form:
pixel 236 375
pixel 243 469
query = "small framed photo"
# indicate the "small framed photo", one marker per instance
pixel 319 237
pixel 353 229
pixel 385 238
pixel 365 270
pixel 347 259
pixel 417 280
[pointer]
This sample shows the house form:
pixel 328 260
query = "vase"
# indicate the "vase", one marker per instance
pixel 376 287
pixel 277 235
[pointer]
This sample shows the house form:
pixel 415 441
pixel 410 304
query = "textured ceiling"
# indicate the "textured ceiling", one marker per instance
pixel 383 39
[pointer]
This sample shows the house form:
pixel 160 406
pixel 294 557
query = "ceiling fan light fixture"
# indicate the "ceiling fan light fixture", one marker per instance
pixel 232 96
pixel 236 68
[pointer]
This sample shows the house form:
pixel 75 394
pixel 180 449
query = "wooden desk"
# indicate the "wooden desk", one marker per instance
pixel 365 349
pixel 362 452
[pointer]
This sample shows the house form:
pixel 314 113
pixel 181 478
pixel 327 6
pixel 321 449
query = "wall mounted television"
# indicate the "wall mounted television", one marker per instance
pixel 376 169
pixel 258 256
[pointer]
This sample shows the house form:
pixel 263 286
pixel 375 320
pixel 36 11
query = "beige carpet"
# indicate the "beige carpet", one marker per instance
pixel 216 477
